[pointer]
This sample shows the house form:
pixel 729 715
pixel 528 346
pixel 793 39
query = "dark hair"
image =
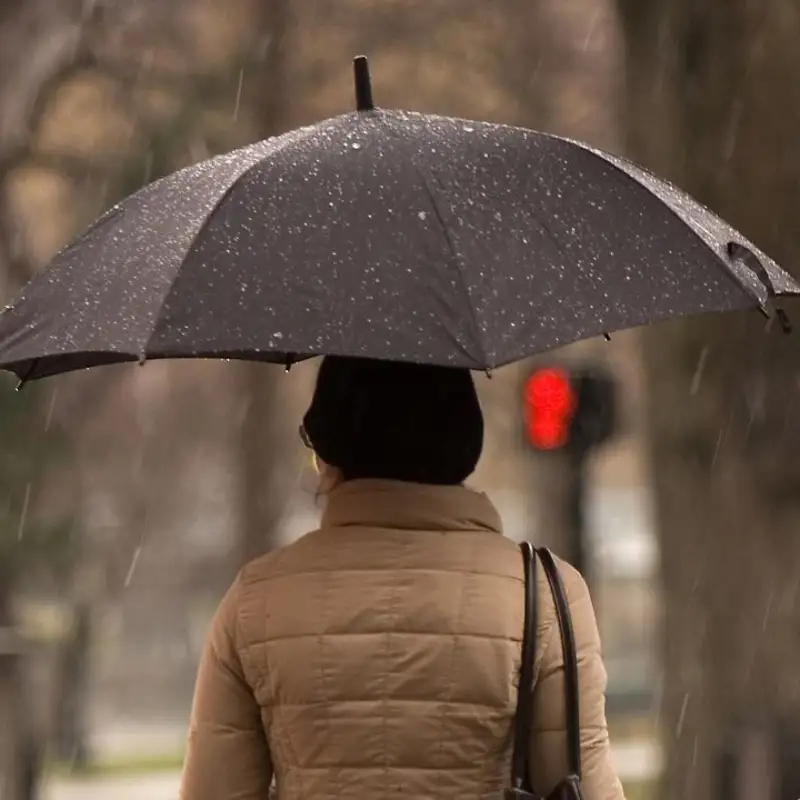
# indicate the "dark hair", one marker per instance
pixel 406 422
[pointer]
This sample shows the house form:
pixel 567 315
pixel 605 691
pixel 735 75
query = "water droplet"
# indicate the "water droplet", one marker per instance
pixel 356 145
pixel 468 129
pixel 423 215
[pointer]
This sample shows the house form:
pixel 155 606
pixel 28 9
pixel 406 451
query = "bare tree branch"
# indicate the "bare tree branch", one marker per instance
pixel 12 257
pixel 68 60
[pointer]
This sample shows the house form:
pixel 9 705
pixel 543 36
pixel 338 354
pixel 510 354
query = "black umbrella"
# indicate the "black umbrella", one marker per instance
pixel 384 234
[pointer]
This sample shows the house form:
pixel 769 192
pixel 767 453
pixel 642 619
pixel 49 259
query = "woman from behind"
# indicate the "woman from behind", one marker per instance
pixel 378 656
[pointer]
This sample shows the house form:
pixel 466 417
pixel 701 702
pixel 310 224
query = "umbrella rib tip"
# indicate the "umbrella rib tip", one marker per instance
pixel 739 252
pixel 25 377
pixel 363 84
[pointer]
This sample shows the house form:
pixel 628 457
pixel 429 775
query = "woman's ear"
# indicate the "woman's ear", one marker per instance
pixel 329 476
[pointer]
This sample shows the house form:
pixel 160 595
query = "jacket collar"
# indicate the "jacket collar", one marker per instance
pixel 410 506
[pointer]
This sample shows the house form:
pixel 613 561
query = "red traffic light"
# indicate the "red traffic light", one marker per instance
pixel 550 405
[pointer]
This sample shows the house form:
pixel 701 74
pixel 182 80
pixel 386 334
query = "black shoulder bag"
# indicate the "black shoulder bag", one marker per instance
pixel 570 787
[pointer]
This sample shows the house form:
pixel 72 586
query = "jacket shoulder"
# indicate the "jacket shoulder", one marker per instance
pixel 581 610
pixel 273 563
pixel 574 583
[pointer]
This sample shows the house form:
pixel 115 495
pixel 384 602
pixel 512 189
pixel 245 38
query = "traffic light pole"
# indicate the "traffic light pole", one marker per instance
pixel 561 484
pixel 575 540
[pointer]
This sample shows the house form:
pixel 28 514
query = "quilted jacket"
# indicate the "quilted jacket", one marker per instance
pixel 376 658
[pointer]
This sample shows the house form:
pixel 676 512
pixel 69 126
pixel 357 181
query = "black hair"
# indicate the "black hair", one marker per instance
pixel 394 421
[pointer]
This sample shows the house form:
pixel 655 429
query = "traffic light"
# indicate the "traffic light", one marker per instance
pixel 569 408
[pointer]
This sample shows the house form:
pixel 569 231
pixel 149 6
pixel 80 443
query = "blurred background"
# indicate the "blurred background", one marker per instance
pixel 130 497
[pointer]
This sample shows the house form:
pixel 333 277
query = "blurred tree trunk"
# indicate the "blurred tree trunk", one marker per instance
pixel 16 753
pixel 263 434
pixel 713 103
pixel 73 673
pixel 10 711
pixel 24 98
pixel 19 740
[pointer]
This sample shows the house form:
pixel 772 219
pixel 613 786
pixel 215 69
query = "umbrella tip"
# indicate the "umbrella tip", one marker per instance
pixel 363 84
pixel 26 375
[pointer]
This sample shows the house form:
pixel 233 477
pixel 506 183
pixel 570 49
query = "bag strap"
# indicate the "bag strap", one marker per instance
pixel 571 685
pixel 523 718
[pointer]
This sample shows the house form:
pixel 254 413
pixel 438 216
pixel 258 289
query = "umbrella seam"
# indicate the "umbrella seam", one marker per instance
pixel 385 119
pixel 743 241
pixel 457 260
pixel 736 235
pixel 287 138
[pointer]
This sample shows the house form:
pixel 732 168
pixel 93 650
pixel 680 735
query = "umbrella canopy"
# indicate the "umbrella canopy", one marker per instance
pixel 389 235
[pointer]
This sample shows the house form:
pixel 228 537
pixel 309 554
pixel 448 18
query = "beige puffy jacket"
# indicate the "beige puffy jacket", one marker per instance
pixel 376 658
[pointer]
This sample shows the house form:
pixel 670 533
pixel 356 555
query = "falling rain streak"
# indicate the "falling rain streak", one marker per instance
pixel 50 409
pixel 698 373
pixel 238 103
pixel 132 567
pixel 23 517
pixel 682 716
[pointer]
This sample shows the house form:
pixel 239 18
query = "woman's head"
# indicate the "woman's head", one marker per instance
pixel 406 422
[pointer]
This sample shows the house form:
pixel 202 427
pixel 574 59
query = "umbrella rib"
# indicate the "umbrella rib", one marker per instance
pixel 213 210
pixel 456 259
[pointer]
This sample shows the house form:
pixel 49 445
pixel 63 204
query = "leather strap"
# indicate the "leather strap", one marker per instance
pixel 523 718
pixel 571 686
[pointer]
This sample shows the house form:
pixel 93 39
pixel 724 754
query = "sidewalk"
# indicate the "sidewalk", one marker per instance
pixel 114 739
pixel 636 761
pixel 136 787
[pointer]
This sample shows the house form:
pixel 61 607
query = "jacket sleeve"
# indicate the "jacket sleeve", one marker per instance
pixel 548 740
pixel 227 755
